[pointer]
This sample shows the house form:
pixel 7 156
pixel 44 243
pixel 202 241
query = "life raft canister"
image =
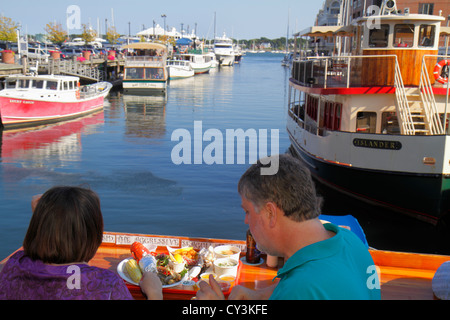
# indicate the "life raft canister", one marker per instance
pixel 438 71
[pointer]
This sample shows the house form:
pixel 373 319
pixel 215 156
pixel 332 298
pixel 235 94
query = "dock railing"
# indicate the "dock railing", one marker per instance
pixel 73 67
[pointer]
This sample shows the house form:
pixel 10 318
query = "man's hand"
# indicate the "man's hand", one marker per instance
pixel 151 286
pixel 211 291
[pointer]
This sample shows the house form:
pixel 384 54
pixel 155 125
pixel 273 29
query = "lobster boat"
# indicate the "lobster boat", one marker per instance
pixel 370 117
pixel 401 276
pixel 30 100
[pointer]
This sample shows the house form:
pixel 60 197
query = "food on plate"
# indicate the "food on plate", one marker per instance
pixel 178 258
pixel 165 272
pixel 188 254
pixel 133 270
pixel 171 267
pixel 207 256
pixel 138 251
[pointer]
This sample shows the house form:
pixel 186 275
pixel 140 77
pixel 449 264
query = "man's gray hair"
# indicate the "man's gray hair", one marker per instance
pixel 291 188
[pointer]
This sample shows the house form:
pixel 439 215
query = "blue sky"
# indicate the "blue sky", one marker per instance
pixel 244 19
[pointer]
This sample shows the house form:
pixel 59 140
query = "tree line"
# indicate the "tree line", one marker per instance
pixel 57 35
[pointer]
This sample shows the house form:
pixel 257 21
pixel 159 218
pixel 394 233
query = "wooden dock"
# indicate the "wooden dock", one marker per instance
pixel 8 69
pixel 92 70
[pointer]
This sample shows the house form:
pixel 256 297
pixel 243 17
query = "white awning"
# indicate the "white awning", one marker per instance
pixel 326 31
pixel 145 46
pixel 445 31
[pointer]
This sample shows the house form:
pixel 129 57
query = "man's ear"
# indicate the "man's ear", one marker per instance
pixel 272 213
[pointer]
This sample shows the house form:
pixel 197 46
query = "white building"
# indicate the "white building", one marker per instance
pixel 329 14
pixel 158 31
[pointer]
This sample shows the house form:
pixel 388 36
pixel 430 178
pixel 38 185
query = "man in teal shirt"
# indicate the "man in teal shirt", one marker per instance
pixel 323 261
pixel 334 269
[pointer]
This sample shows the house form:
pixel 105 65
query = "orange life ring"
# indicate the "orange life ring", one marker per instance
pixel 438 69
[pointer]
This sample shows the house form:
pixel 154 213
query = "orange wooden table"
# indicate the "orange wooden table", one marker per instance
pixel 402 276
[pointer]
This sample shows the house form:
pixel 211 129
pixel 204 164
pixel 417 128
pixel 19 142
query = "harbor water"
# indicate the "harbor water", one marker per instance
pixel 129 154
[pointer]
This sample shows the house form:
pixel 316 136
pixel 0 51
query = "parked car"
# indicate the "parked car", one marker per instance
pixel 68 52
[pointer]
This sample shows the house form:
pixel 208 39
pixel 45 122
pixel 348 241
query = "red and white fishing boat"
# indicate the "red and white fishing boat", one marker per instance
pixel 29 100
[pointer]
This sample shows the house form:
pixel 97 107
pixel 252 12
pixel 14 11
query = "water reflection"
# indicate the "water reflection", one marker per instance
pixel 145 116
pixel 59 141
pixel 203 90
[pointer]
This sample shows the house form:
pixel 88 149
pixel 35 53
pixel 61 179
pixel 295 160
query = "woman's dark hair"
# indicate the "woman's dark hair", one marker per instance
pixel 66 226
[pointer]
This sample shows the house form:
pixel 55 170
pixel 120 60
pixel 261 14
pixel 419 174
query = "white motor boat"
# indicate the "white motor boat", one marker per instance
pixel 179 69
pixel 223 48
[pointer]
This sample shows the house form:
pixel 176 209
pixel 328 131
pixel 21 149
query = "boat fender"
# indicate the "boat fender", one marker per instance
pixel 438 71
pixel 77 93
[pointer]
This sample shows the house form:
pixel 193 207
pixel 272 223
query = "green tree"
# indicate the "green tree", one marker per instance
pixel 112 35
pixel 55 32
pixel 8 29
pixel 88 34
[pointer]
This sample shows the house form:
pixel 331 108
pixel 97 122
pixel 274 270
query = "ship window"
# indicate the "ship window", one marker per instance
pixel 404 35
pixel 378 38
pixel 24 84
pixel 366 122
pixel 332 116
pixel 312 106
pixel 66 85
pixel 52 85
pixel 154 73
pixel 427 35
pixel 11 84
pixel 134 73
pixel 389 123
pixel 337 116
pixel 37 84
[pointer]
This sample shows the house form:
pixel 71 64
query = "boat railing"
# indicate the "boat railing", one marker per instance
pixel 404 114
pixel 90 91
pixel 427 95
pixel 416 106
pixel 344 71
pixel 355 71
pixel 145 60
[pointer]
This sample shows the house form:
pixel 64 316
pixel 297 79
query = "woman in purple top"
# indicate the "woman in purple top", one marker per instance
pixel 64 234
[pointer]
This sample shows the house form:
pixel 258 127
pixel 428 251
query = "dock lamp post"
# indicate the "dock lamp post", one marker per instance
pixel 164 17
